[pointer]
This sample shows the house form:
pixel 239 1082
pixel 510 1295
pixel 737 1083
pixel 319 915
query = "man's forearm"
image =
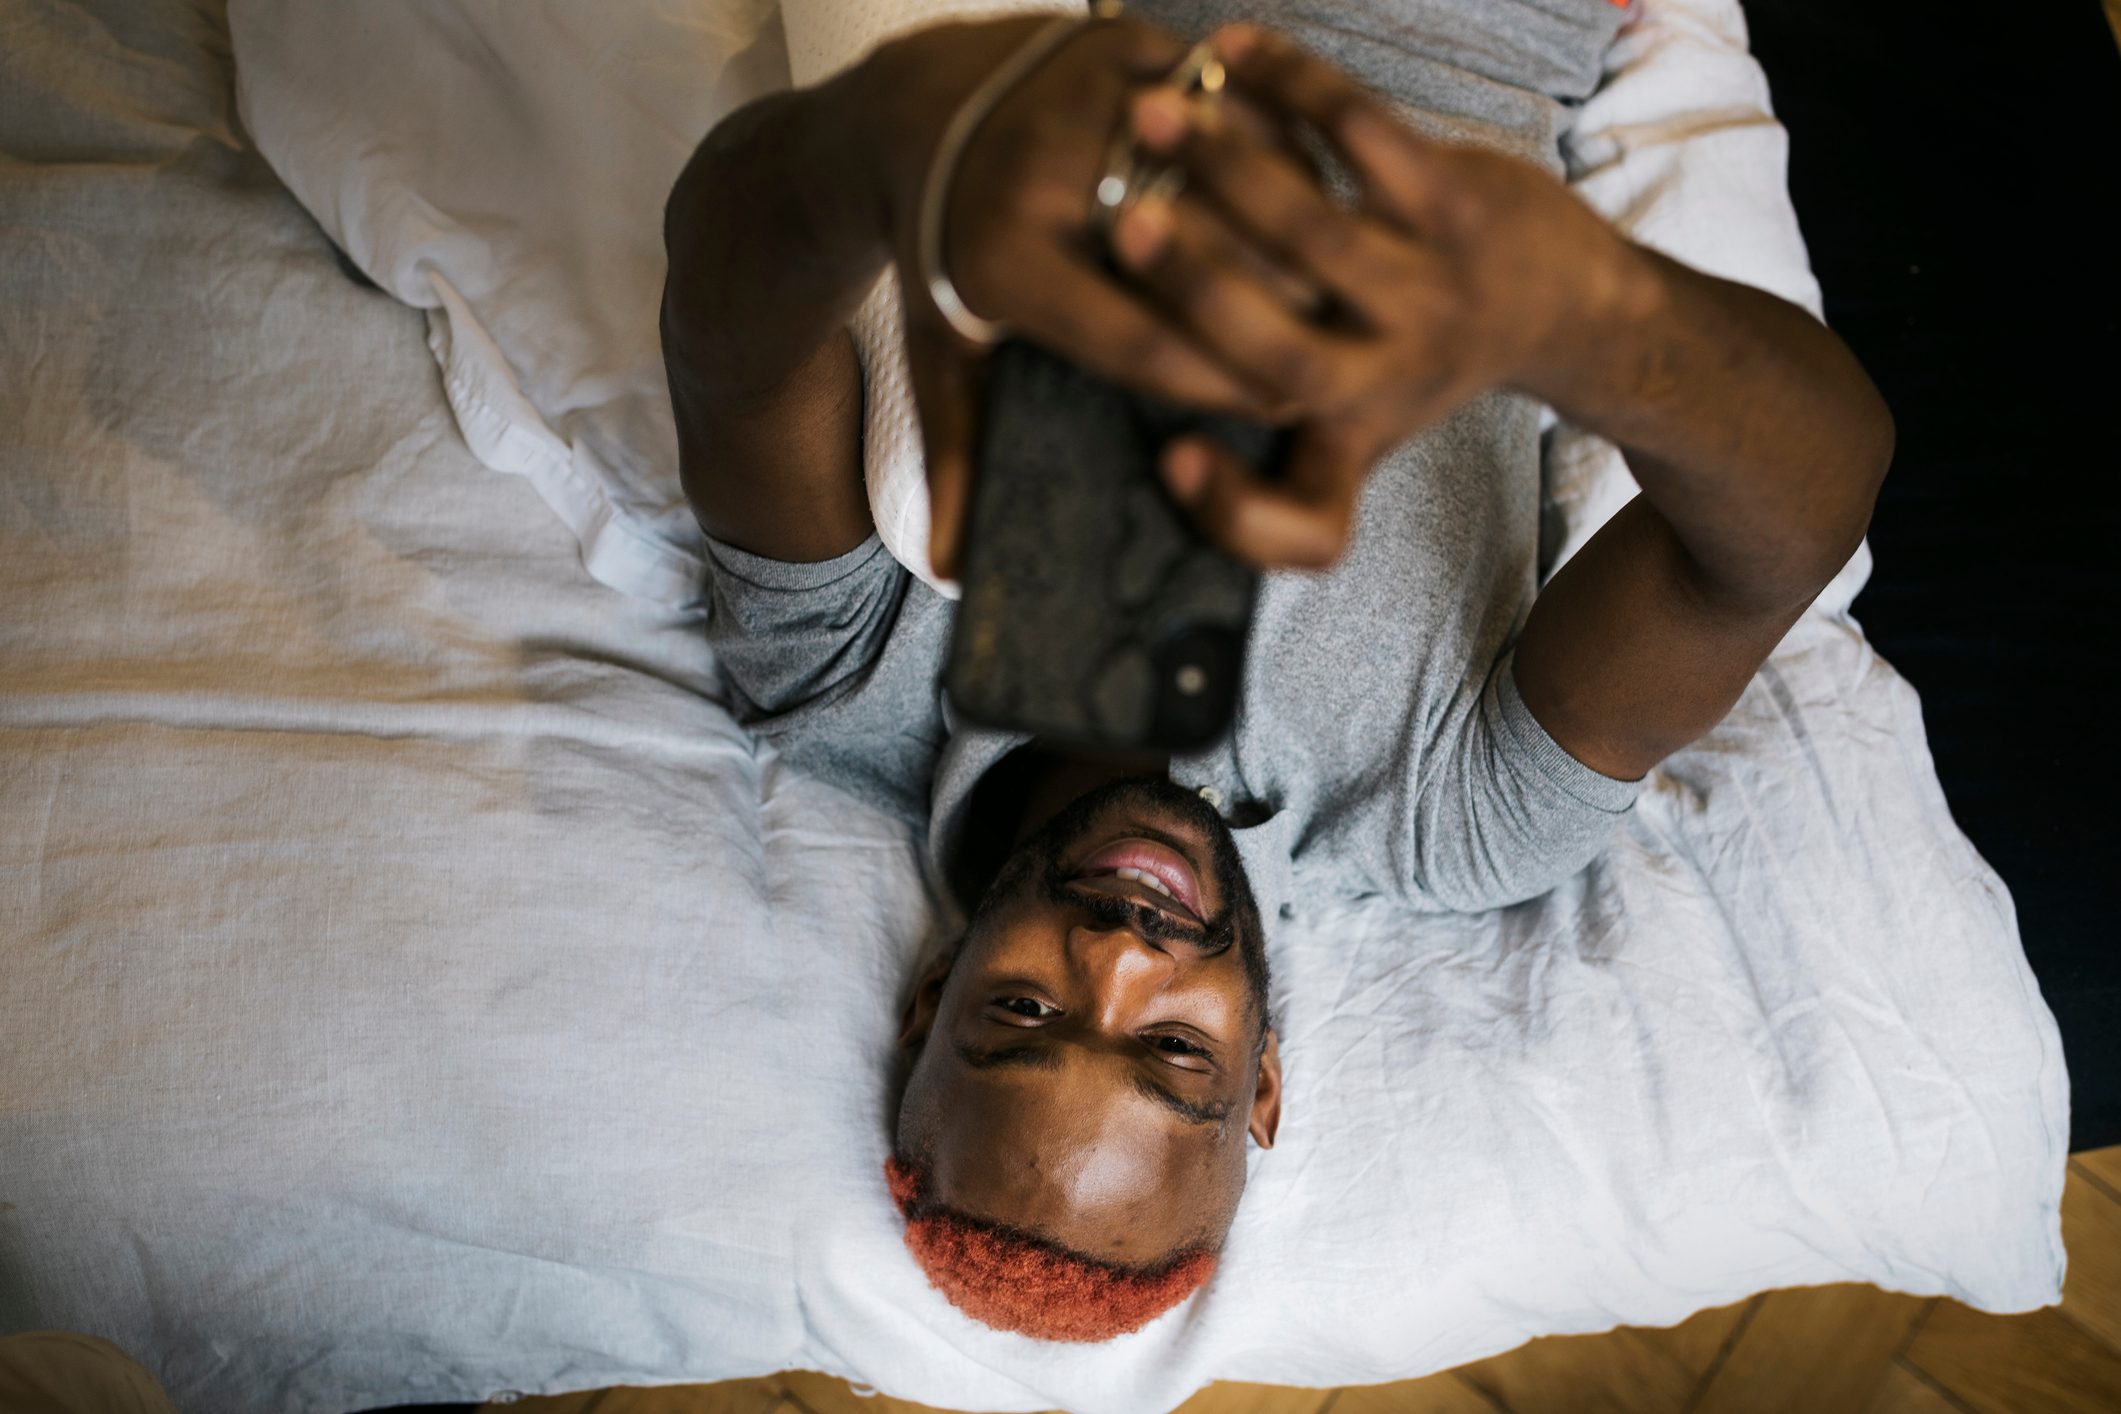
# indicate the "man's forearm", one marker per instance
pixel 774 235
pixel 1752 429
pixel 775 232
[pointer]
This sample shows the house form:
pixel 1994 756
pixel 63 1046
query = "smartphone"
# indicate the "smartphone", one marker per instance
pixel 1093 613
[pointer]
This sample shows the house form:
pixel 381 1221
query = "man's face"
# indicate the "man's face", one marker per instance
pixel 1092 1061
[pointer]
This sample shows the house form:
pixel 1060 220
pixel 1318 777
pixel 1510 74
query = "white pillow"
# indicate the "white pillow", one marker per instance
pixel 504 167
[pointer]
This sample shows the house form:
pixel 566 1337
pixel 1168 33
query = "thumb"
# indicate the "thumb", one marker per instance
pixel 1300 522
pixel 947 376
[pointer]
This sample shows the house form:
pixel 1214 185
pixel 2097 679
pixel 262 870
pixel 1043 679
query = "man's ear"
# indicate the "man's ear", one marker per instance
pixel 1266 1098
pixel 926 1000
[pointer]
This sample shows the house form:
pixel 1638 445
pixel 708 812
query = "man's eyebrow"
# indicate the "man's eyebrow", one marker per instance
pixel 1191 1111
pixel 1031 1057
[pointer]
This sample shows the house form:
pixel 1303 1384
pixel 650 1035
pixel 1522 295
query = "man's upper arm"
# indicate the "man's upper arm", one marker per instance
pixel 1630 652
pixel 777 473
pixel 835 662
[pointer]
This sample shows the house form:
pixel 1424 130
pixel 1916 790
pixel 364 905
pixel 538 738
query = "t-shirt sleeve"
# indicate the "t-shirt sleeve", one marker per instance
pixel 1503 812
pixel 834 662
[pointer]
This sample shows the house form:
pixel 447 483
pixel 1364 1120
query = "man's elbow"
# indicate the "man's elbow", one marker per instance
pixel 1847 519
pixel 1872 448
pixel 1787 570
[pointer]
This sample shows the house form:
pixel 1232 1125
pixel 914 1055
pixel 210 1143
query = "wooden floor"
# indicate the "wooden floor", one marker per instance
pixel 1818 1350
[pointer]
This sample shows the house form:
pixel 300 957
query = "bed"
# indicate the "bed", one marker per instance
pixel 416 987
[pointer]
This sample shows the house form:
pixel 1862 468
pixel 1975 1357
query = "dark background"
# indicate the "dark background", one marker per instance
pixel 1957 173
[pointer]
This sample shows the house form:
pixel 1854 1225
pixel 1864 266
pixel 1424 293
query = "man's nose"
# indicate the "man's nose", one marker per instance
pixel 1122 969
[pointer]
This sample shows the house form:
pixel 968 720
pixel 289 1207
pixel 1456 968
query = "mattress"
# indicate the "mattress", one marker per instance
pixel 416 987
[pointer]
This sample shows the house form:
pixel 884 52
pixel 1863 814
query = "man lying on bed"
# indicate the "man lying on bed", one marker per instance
pixel 1093 1055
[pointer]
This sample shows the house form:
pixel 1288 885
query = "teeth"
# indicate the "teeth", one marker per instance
pixel 1140 877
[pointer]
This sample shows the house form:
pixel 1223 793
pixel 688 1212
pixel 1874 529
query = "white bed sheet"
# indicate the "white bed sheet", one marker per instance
pixel 415 987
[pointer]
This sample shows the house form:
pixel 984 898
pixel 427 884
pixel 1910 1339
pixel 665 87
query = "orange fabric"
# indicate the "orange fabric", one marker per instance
pixel 1015 1282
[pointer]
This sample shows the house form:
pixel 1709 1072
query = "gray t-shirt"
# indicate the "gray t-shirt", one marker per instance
pixel 1380 745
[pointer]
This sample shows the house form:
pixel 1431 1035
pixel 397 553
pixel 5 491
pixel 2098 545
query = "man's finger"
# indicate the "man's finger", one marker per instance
pixel 1281 206
pixel 1145 51
pixel 1062 300
pixel 1401 171
pixel 1302 522
pixel 1211 279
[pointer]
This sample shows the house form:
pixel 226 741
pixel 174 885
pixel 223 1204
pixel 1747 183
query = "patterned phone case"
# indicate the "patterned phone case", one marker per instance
pixel 1093 613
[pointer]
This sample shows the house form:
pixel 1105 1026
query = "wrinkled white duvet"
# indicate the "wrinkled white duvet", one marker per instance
pixel 413 986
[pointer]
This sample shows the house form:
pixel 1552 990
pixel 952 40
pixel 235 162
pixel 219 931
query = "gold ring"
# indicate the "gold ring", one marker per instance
pixel 1129 175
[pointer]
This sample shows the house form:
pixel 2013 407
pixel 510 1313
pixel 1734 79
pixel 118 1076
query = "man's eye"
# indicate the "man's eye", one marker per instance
pixel 1178 1045
pixel 1030 1007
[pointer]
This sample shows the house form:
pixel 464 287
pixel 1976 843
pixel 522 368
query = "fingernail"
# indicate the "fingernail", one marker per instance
pixel 1159 118
pixel 1142 231
pixel 1233 42
pixel 1185 469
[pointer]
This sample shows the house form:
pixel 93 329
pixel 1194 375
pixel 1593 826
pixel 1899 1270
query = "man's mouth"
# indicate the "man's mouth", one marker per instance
pixel 1148 872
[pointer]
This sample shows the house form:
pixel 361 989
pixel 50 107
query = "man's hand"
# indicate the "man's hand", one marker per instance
pixel 1019 231
pixel 1461 271
pixel 1757 439
pixel 781 222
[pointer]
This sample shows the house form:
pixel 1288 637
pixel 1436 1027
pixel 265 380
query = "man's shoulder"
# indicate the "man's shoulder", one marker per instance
pixel 836 663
